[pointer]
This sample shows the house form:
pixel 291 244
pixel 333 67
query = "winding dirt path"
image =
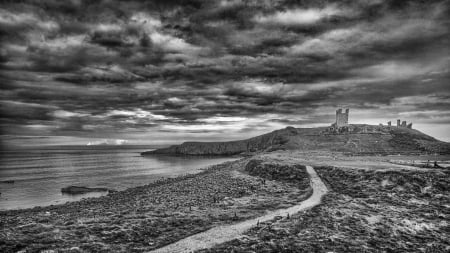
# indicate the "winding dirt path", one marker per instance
pixel 226 233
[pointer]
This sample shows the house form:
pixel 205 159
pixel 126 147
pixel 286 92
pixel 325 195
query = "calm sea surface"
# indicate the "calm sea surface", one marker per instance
pixel 39 175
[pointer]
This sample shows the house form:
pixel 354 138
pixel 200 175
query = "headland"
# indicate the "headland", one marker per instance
pixel 387 190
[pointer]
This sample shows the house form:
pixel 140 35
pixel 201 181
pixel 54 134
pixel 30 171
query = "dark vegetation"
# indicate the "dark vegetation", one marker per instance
pixel 366 211
pixel 294 174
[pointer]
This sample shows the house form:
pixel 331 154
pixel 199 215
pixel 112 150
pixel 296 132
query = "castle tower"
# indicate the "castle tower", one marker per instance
pixel 404 123
pixel 389 123
pixel 398 123
pixel 342 117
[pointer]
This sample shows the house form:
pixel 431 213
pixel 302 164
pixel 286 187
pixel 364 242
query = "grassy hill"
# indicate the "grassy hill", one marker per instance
pixel 358 139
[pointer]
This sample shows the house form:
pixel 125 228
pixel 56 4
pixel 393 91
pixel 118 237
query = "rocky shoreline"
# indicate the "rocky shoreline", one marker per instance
pixel 372 205
pixel 147 217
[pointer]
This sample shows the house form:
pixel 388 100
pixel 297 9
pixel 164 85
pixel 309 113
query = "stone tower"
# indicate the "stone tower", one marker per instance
pixel 342 118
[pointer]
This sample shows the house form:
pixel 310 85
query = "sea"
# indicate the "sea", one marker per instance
pixel 34 177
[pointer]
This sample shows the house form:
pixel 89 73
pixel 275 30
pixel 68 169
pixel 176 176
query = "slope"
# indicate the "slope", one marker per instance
pixel 356 139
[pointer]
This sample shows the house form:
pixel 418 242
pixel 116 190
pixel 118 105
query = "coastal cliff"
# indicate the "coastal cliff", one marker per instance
pixel 358 139
pixel 271 141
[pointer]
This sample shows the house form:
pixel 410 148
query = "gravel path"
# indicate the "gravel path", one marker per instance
pixel 226 233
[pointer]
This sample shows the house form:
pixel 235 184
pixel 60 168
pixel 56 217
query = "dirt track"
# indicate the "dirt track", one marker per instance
pixel 225 233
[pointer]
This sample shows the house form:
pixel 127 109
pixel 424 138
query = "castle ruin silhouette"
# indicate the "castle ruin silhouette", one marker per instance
pixel 341 118
pixel 341 124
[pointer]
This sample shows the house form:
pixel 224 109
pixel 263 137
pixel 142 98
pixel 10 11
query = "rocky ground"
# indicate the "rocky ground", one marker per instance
pixel 147 217
pixel 366 211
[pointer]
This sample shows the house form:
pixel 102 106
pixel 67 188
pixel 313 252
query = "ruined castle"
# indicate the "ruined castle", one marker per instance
pixel 341 118
pixel 341 124
pixel 403 124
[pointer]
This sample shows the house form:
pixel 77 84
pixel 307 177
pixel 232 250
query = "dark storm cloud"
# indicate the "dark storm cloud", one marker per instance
pixel 96 68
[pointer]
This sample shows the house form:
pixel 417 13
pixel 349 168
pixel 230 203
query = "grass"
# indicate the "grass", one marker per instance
pixel 365 211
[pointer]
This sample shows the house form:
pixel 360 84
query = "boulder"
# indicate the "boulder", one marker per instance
pixel 81 189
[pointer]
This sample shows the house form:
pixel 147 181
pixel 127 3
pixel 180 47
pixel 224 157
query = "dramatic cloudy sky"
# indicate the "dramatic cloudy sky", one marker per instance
pixel 165 71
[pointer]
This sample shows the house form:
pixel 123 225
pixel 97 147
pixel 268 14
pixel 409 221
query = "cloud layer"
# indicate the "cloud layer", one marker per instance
pixel 168 71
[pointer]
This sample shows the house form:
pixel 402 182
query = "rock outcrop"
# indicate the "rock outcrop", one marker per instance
pixel 361 139
pixel 81 190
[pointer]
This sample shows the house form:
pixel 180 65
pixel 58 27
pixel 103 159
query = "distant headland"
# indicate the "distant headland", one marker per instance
pixel 339 137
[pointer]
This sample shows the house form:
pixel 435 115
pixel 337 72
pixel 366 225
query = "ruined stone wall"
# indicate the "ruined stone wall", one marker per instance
pixel 402 124
pixel 342 118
